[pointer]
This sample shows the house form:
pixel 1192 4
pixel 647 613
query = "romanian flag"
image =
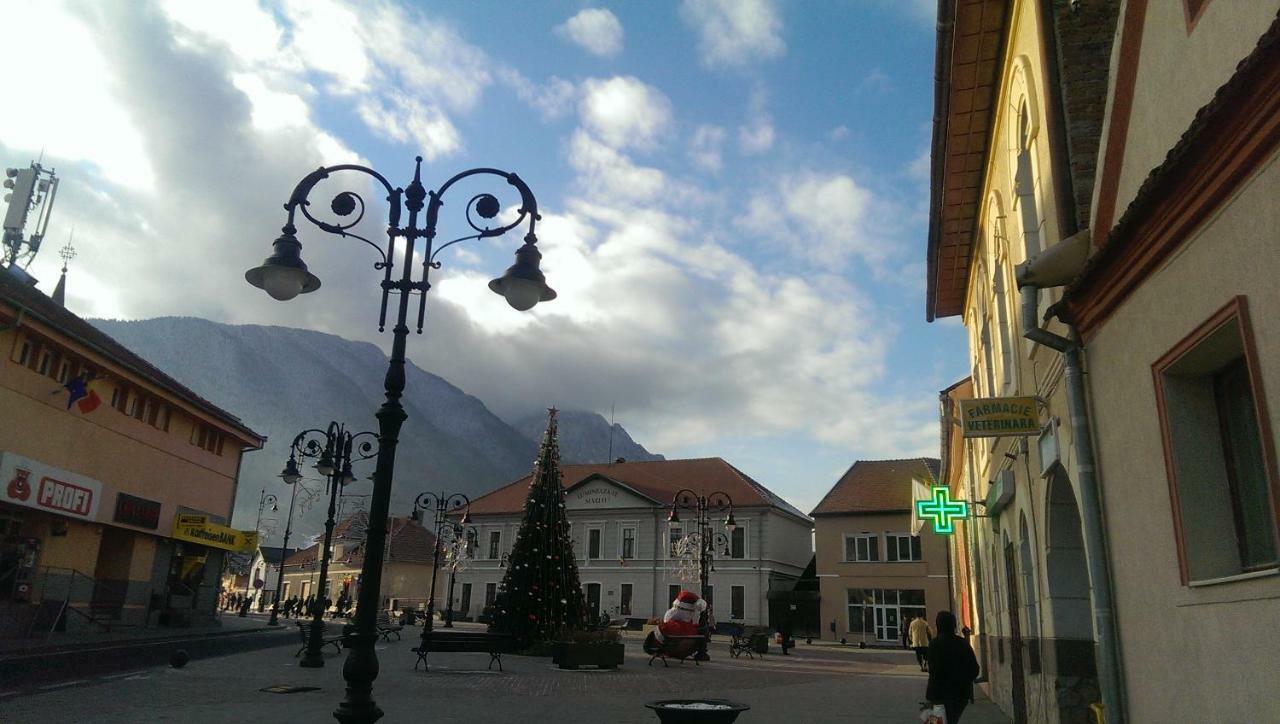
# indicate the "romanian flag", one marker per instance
pixel 83 393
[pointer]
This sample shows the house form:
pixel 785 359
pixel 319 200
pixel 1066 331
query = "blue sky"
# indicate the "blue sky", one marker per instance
pixel 734 197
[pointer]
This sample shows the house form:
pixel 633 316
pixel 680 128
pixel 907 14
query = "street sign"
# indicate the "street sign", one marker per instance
pixel 1000 416
pixel 942 510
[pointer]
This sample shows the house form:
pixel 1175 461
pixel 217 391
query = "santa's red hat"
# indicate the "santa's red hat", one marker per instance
pixel 688 601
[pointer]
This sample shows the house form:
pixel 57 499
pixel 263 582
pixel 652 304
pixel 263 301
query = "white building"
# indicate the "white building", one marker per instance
pixel 266 568
pixel 623 540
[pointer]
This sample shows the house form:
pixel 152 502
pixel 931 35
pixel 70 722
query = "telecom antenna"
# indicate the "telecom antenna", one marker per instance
pixel 26 190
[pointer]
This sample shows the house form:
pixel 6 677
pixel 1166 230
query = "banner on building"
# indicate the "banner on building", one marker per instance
pixel 919 491
pixel 1000 416
pixel 33 484
pixel 199 529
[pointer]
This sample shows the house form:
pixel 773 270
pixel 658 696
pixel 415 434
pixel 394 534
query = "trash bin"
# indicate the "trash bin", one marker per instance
pixel 760 643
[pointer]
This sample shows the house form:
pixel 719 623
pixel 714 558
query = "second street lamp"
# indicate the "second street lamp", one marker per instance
pixel 284 275
pixel 444 504
pixel 294 480
pixel 463 538
pixel 708 542
pixel 333 449
pixel 263 501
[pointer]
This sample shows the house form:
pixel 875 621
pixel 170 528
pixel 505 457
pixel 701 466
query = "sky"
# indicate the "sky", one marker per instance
pixel 734 197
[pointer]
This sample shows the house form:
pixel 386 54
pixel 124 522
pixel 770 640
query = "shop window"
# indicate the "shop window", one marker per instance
pixel 860 605
pixel 1218 455
pixel 624 605
pixel 738 602
pixel 861 548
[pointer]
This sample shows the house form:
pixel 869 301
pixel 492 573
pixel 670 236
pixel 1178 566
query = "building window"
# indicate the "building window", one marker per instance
pixel 593 543
pixel 466 598
pixel 163 421
pixel 628 543
pixel 490 594
pixel 674 534
pixel 860 606
pixel 673 590
pixel 64 371
pixel 861 548
pixel 46 359
pixel 1217 448
pixel 738 542
pixel 902 547
pixel 495 544
pixel 624 605
pixel 738 602
pixel 24 355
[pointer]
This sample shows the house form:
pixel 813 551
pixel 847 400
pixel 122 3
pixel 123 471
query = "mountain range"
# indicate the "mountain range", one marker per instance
pixel 280 381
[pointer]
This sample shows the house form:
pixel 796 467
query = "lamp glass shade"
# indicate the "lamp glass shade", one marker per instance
pixel 673 517
pixel 466 517
pixel 348 477
pixel 291 474
pixel 325 465
pixel 284 275
pixel 730 523
pixel 283 283
pixel 521 294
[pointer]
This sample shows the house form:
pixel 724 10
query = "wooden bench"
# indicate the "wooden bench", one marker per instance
pixel 464 641
pixel 386 627
pixel 304 631
pixel 681 648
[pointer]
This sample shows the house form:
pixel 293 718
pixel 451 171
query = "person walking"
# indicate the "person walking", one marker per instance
pixel 919 634
pixel 952 668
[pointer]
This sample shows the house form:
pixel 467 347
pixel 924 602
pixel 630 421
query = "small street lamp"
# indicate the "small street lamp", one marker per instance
pixel 293 478
pixel 263 501
pixel 456 558
pixel 284 275
pixel 444 505
pixel 333 449
pixel 708 541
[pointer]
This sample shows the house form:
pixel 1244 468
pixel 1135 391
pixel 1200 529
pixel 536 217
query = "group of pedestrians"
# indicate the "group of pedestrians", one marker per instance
pixel 236 601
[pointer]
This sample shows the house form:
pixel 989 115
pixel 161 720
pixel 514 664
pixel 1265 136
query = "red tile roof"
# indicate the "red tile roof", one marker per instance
pixel 875 486
pixel 657 480
pixel 410 542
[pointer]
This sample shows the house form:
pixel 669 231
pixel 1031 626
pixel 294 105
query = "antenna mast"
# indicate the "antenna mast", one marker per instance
pixel 27 189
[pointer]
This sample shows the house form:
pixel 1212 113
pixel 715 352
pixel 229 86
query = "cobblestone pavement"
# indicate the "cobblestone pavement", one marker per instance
pixel 815 684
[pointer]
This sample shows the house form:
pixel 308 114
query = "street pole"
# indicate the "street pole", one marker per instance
pixel 443 504
pixel 284 275
pixel 284 552
pixel 701 505
pixel 257 526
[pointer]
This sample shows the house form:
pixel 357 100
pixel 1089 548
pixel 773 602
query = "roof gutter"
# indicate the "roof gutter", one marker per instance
pixel 941 107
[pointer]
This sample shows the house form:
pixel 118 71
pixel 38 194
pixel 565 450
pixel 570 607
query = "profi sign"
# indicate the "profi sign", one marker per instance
pixel 33 484
pixel 1000 416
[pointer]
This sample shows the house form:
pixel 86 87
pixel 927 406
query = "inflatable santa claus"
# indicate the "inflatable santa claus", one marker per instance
pixel 682 618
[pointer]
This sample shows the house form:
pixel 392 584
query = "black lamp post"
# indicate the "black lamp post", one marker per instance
pixel 263 501
pixel 296 482
pixel 284 275
pixel 459 551
pixel 333 449
pixel 444 504
pixel 708 541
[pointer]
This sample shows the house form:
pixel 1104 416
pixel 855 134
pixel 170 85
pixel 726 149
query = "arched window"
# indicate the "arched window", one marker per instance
pixel 1024 182
pixel 1028 578
pixel 998 244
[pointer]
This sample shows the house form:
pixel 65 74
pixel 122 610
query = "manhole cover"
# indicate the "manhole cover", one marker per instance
pixel 281 689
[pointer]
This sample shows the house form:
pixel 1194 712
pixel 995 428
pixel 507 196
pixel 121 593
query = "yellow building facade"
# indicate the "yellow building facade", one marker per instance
pixel 117 480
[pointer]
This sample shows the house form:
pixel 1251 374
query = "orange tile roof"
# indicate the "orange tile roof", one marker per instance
pixel 657 480
pixel 875 486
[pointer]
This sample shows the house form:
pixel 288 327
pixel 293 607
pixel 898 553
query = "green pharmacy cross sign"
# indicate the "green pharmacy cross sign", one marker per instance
pixel 942 510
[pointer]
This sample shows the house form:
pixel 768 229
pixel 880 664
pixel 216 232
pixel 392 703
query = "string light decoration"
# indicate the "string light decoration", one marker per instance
pixel 540 594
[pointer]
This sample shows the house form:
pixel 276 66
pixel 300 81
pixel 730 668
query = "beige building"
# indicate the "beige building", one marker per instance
pixel 1112 165
pixel 406 573
pixel 874 575
pixel 114 500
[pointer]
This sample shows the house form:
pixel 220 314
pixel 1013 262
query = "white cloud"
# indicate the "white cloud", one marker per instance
pixel 757 137
pixel 839 133
pixel 824 219
pixel 552 99
pixel 410 121
pixel 624 112
pixel 735 32
pixel 704 147
pixel 606 172
pixel 596 30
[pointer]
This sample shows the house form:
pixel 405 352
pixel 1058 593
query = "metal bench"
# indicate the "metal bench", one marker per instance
pixel 386 627
pixel 304 632
pixel 681 648
pixel 464 641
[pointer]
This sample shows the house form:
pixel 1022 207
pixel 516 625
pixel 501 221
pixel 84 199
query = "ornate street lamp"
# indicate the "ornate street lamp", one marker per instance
pixel 263 501
pixel 444 505
pixel 284 275
pixel 708 541
pixel 293 478
pixel 333 449
pixel 459 553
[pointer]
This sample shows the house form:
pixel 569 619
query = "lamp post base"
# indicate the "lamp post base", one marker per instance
pixel 360 670
pixel 313 658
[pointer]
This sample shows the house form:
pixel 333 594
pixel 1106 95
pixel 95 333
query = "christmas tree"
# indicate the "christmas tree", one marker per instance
pixel 540 594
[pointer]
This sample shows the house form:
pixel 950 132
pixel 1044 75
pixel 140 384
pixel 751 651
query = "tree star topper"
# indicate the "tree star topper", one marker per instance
pixel 942 510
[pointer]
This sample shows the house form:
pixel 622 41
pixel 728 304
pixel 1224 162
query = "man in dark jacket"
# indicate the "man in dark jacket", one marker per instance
pixel 952 668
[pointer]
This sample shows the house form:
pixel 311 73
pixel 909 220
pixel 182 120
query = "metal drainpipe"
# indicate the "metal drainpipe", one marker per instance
pixel 1090 504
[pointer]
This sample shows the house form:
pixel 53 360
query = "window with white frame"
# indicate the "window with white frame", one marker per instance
pixel 674 534
pixel 861 548
pixel 495 544
pixel 624 602
pixel 737 602
pixel 738 542
pixel 901 547
pixel 627 549
pixel 593 543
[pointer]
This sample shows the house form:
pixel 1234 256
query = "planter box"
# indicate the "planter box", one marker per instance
pixel 697 711
pixel 570 655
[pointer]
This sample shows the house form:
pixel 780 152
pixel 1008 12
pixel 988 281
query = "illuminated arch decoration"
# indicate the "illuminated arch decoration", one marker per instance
pixel 942 510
